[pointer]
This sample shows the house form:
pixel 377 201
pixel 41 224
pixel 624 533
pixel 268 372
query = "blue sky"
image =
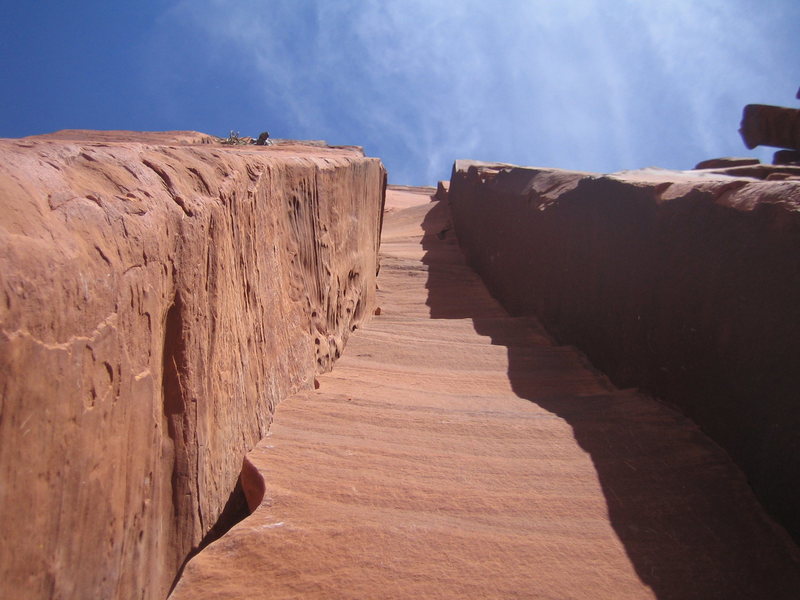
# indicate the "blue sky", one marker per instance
pixel 599 85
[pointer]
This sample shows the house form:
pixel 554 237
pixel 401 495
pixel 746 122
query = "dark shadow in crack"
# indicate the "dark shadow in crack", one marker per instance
pixel 234 511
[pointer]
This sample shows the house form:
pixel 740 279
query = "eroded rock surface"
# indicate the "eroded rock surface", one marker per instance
pixel 456 452
pixel 160 295
pixel 686 284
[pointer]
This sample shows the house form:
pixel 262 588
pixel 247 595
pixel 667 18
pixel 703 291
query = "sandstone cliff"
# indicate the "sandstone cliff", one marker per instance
pixel 160 295
pixel 686 284
pixel 456 452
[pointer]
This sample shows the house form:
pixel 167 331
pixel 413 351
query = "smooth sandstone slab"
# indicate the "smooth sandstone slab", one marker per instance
pixel 455 452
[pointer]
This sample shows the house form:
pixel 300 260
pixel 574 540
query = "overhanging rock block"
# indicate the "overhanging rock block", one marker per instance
pixel 764 125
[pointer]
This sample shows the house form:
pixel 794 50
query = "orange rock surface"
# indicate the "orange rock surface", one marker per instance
pixel 682 283
pixel 159 295
pixel 457 452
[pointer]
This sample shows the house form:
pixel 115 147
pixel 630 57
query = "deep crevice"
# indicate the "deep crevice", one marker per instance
pixel 174 363
pixel 234 511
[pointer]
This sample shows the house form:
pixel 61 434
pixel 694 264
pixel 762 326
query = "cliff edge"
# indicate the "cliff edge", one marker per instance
pixel 161 294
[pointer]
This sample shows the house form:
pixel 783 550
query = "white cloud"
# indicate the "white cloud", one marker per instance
pixel 600 85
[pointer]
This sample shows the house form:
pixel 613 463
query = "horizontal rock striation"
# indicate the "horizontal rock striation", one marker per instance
pixel 159 295
pixel 685 284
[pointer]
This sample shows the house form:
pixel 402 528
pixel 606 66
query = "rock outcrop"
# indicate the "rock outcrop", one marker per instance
pixel 786 157
pixel 684 284
pixel 160 295
pixel 725 162
pixel 764 125
pixel 442 188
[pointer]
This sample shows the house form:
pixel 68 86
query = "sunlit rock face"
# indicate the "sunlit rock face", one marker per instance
pixel 685 284
pixel 160 294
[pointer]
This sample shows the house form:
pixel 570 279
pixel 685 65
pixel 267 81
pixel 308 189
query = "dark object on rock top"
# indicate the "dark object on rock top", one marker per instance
pixel 719 163
pixel 764 125
pixel 262 138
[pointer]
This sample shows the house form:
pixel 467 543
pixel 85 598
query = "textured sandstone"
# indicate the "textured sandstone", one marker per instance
pixel 456 452
pixel 686 284
pixel 159 296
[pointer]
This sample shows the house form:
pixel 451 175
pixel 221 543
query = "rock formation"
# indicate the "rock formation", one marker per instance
pixel 456 452
pixel 728 161
pixel 442 188
pixel 787 157
pixel 160 295
pixel 163 293
pixel 764 125
pixel 684 284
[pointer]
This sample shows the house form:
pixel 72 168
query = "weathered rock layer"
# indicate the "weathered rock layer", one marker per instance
pixel 685 284
pixel 160 295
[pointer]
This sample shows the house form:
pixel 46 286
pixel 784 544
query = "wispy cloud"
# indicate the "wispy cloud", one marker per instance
pixel 574 83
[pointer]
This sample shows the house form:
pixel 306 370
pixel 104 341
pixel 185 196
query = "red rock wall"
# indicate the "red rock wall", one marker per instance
pixel 684 284
pixel 159 297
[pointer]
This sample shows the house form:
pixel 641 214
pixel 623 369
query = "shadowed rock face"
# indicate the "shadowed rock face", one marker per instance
pixel 722 163
pixel 764 125
pixel 683 284
pixel 159 295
